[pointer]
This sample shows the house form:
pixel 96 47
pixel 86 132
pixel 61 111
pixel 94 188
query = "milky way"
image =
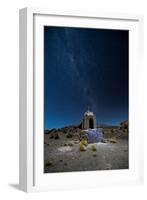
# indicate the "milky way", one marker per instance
pixel 85 67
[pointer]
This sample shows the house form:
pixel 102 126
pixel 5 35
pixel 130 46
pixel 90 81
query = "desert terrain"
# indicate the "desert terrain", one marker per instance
pixel 68 150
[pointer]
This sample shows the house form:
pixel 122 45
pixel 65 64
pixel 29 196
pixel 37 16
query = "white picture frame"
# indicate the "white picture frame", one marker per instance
pixel 31 175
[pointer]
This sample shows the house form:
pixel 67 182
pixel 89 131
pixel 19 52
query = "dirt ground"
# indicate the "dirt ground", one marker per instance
pixel 64 155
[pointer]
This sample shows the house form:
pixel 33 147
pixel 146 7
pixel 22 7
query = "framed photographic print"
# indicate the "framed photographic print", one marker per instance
pixel 80 122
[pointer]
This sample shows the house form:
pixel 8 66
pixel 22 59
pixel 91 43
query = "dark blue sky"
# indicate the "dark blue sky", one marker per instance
pixel 85 67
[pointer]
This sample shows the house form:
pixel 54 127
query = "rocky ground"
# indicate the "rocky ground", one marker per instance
pixel 62 151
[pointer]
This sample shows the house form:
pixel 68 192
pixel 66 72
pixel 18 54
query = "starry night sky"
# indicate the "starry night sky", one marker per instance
pixel 85 67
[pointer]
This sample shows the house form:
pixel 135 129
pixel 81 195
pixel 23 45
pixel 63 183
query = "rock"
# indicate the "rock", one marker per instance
pixel 93 147
pixel 103 140
pixel 56 136
pixel 51 136
pixel 124 125
pixel 70 144
pixel 69 135
pixel 65 149
pixel 112 140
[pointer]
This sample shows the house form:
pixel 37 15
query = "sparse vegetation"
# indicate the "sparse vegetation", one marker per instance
pixel 93 147
pixel 70 150
pixel 82 147
pixel 85 142
pixel 69 135
pixel 56 136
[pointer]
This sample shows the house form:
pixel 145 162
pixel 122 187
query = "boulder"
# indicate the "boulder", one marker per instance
pixel 112 140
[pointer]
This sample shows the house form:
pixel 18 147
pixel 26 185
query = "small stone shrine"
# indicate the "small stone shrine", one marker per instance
pixel 89 120
pixel 89 126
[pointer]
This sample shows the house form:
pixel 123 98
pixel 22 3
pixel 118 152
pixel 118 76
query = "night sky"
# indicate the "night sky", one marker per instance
pixel 85 67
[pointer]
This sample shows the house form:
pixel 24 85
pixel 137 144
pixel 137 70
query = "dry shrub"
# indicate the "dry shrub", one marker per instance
pixel 93 147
